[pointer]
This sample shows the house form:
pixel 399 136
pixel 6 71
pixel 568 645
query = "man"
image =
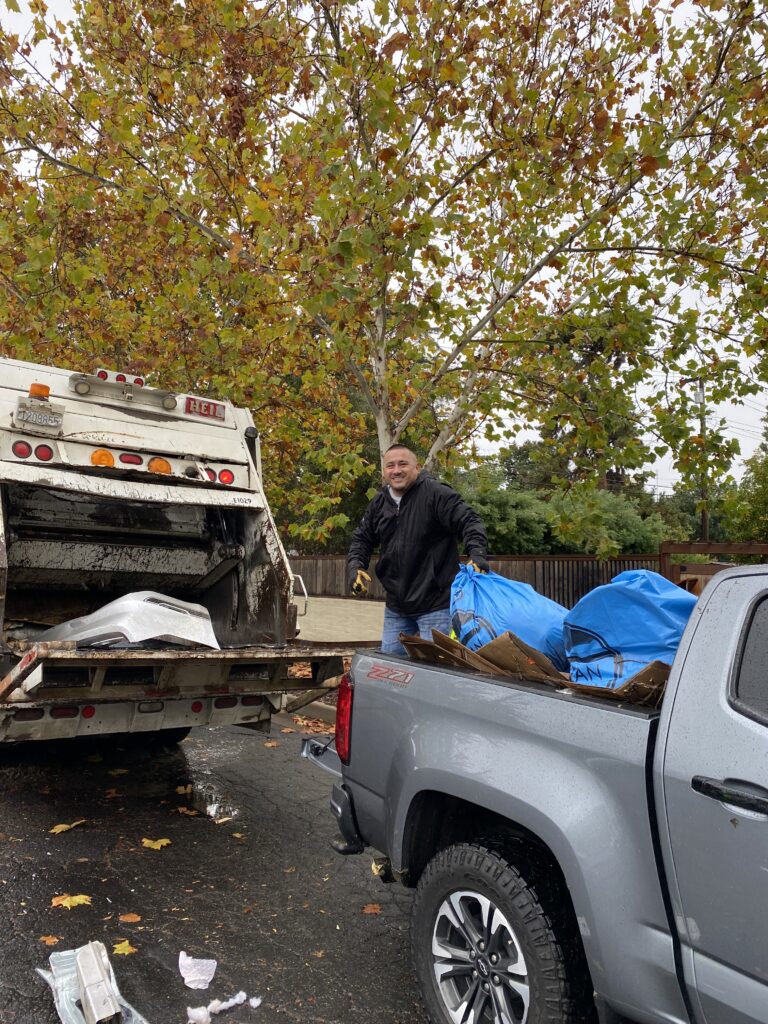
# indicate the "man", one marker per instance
pixel 415 521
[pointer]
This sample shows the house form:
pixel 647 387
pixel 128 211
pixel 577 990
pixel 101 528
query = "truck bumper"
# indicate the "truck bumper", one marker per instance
pixel 343 809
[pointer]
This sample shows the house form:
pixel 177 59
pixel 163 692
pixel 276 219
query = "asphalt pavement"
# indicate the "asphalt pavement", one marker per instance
pixel 246 877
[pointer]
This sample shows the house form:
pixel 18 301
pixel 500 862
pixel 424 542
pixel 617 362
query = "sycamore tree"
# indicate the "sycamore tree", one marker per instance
pixel 365 217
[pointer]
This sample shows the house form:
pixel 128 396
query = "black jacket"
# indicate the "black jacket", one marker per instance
pixel 418 555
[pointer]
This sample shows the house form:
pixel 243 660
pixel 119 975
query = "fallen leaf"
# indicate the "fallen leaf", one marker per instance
pixel 155 844
pixel 110 794
pixel 57 829
pixel 289 871
pixel 312 725
pixel 319 953
pixel 272 743
pixel 189 811
pixel 287 729
pixel 182 790
pixel 123 948
pixel 238 835
pixel 117 771
pixel 49 940
pixel 222 821
pixel 129 918
pixel 70 901
pixel 372 908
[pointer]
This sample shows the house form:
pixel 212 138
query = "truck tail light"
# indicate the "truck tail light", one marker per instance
pixel 21 449
pixel 158 465
pixel 344 718
pixel 225 702
pixel 41 391
pixel 226 476
pixel 130 459
pixel 44 452
pixel 65 711
pixel 28 714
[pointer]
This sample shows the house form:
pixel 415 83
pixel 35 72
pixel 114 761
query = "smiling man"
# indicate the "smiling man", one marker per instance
pixel 415 521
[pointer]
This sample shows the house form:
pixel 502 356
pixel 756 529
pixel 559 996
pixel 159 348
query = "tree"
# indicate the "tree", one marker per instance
pixel 604 524
pixel 516 521
pixel 404 195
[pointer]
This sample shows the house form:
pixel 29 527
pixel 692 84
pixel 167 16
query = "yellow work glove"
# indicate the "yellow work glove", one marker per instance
pixel 360 583
pixel 479 564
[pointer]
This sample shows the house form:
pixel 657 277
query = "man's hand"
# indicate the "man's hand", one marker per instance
pixel 359 584
pixel 479 563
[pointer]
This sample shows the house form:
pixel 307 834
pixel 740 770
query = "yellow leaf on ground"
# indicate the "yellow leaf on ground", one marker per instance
pixel 110 794
pixel 238 835
pixel 65 828
pixel 222 821
pixel 155 844
pixel 118 771
pixel 189 811
pixel 319 953
pixel 129 918
pixel 182 790
pixel 272 743
pixel 372 908
pixel 123 948
pixel 287 729
pixel 70 901
pixel 50 940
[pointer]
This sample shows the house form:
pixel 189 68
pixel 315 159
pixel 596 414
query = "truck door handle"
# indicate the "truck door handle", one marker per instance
pixel 734 795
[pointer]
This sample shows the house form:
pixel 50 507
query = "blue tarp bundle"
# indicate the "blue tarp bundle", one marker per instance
pixel 616 630
pixel 485 605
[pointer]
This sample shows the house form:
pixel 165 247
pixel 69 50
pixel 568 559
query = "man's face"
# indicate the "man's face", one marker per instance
pixel 401 468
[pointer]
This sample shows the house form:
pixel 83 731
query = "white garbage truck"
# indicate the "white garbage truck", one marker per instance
pixel 143 585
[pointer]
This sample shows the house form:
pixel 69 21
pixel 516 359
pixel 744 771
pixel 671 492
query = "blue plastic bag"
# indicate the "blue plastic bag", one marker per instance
pixel 484 605
pixel 616 630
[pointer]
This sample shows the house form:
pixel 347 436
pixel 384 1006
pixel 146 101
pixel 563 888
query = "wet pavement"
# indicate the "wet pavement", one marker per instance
pixel 247 878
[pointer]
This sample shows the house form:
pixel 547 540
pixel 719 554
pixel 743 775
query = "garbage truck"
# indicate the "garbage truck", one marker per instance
pixel 143 584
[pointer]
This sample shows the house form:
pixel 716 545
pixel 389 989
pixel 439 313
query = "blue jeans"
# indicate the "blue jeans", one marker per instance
pixel 412 625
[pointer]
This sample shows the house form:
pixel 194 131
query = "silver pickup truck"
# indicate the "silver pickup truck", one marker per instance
pixel 574 859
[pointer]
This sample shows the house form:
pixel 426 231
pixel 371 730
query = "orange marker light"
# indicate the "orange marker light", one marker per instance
pixel 39 391
pixel 157 465
pixel 101 457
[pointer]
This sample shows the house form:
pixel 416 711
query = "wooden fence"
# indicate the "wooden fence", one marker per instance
pixel 563 578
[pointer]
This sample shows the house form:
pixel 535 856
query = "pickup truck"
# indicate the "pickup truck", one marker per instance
pixel 574 858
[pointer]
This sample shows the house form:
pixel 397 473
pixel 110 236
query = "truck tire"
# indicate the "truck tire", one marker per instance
pixel 485 951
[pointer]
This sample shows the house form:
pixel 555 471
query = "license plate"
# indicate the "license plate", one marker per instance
pixel 40 418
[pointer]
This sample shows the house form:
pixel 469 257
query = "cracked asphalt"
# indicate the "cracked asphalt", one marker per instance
pixel 248 879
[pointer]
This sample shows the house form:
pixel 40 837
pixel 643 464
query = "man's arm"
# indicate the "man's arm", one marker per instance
pixel 463 522
pixel 360 549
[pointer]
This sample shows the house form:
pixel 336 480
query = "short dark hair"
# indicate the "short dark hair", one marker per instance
pixel 404 446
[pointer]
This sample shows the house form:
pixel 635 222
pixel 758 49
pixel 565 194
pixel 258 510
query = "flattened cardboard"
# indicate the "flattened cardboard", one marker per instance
pixel 645 687
pixel 516 657
pixel 445 652
pixel 507 656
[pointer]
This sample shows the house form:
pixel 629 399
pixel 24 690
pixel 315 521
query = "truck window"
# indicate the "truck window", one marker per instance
pixel 752 682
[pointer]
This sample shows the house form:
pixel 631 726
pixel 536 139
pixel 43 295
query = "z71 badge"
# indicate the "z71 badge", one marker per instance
pixel 398 676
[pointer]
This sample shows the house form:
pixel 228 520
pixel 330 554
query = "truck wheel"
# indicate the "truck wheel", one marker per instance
pixel 483 948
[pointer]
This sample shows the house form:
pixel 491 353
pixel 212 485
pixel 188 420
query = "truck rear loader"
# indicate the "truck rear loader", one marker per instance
pixel 109 487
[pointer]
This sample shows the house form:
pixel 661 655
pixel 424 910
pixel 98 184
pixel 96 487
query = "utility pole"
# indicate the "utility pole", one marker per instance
pixel 704 493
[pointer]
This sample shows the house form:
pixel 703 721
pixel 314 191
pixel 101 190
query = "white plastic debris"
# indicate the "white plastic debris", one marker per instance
pixel 69 989
pixel 196 973
pixel 202 1014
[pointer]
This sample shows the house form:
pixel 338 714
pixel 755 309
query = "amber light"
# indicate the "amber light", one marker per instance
pixel 39 391
pixel 158 465
pixel 101 457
